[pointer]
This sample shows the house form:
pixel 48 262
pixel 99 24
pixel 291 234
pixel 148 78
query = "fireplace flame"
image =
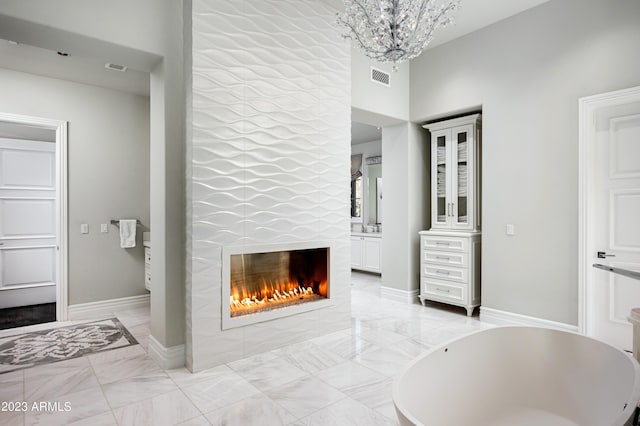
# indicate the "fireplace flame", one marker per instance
pixel 271 295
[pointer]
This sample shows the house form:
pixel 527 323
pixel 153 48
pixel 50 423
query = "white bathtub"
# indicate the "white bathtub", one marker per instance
pixel 519 376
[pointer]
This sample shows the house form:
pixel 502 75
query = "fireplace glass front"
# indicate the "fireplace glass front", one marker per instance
pixel 261 282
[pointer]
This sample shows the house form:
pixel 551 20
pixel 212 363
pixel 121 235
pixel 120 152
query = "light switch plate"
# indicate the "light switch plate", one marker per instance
pixel 84 228
pixel 511 229
pixel 104 227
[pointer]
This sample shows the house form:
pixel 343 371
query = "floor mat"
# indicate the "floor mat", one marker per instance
pixel 58 344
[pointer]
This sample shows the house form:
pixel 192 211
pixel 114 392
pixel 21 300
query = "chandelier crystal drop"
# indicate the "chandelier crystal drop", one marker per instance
pixel 394 30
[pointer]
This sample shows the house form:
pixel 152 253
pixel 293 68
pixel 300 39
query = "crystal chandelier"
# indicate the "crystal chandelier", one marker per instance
pixel 394 30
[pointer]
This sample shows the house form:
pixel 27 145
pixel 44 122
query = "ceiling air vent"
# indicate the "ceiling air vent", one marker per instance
pixel 380 77
pixel 115 67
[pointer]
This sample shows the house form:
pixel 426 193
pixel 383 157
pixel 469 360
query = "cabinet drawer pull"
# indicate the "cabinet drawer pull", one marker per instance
pixel 442 243
pixel 443 257
pixel 443 290
pixel 442 272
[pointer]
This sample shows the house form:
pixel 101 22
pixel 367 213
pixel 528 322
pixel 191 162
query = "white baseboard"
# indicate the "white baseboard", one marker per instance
pixel 495 316
pixel 403 296
pixel 168 358
pixel 105 308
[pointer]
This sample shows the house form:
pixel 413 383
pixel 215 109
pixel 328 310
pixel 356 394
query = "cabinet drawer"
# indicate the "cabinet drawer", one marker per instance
pixel 433 242
pixel 460 275
pixel 445 258
pixel 147 255
pixel 444 291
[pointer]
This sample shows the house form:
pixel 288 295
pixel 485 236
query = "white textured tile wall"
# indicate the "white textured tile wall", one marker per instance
pixel 269 159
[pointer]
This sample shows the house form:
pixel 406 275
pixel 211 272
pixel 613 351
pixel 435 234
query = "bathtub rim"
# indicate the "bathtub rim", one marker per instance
pixel 624 416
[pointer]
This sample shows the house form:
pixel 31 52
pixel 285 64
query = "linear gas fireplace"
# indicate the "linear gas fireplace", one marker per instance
pixel 264 282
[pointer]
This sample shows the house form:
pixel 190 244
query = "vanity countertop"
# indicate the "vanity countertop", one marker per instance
pixel 146 239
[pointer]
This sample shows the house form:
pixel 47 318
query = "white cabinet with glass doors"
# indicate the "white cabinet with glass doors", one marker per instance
pixel 455 172
pixel 450 251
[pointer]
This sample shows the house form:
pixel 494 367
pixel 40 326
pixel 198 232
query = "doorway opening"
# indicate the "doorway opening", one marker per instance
pixel 33 200
pixel 609 205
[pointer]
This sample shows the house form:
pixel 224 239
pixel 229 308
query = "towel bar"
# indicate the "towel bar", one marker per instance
pixel 117 222
pixel 625 272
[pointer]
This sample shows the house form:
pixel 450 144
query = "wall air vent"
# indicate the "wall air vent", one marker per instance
pixel 380 77
pixel 115 67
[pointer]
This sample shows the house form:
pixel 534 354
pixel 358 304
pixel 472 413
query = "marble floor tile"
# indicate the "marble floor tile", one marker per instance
pixel 346 412
pixel 376 396
pixel 412 348
pixel 11 418
pixel 219 390
pixel 266 371
pixel 309 357
pixel 118 364
pixel 141 333
pixel 343 378
pixel 81 405
pixel 48 381
pixel 350 376
pixel 444 334
pixel 134 389
pixel 379 336
pixel 163 410
pixel 104 419
pixel 345 344
pixel 12 386
pixel 184 378
pixel 255 411
pixel 388 361
pixel 411 327
pixel 303 397
pixel 134 317
pixel 196 421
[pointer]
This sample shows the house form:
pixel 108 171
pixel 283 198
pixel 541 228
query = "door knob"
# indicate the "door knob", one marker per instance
pixel 603 255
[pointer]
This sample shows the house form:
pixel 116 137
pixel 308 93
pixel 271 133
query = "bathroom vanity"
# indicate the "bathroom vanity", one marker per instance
pixel 366 251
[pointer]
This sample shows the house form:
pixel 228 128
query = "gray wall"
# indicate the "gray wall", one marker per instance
pixel 405 156
pixel 374 103
pixel 528 72
pixel 108 172
pixel 149 34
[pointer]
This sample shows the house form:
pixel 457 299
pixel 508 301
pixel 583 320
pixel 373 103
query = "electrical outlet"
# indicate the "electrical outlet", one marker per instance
pixel 84 228
pixel 104 228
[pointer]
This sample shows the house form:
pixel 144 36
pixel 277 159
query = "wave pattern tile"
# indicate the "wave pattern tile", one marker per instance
pixel 269 153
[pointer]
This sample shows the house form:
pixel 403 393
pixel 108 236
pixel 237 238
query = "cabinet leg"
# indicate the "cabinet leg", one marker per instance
pixel 422 301
pixel 470 311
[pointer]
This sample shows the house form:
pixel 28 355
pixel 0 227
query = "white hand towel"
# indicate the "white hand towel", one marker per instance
pixel 128 233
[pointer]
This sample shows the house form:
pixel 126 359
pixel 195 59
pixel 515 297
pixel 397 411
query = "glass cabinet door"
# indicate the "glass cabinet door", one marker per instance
pixel 461 151
pixel 442 203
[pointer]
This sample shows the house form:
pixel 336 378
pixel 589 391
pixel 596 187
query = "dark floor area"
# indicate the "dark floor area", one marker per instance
pixel 27 315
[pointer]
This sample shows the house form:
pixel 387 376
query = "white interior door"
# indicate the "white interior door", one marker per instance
pixel 27 222
pixel 614 193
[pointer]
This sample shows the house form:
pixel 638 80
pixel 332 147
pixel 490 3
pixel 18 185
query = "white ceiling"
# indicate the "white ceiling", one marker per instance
pixel 34 60
pixel 471 16
pixel 361 133
pixel 475 14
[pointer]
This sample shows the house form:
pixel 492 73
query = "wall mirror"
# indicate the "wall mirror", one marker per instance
pixel 356 188
pixel 366 176
pixel 374 190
